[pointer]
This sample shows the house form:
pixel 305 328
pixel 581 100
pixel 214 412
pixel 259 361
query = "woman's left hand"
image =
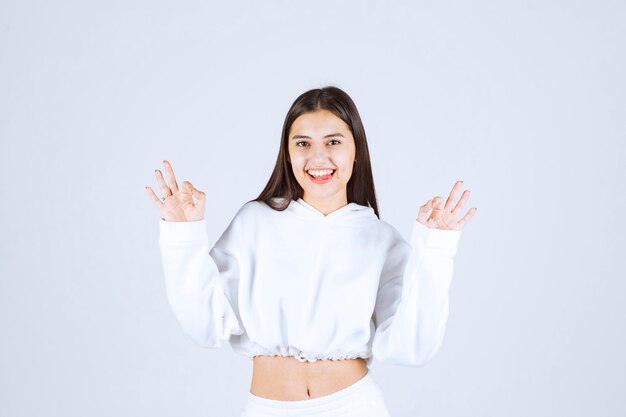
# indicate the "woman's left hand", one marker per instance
pixel 445 217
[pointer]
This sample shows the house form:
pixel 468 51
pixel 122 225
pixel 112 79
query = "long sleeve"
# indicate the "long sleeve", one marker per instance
pixel 412 302
pixel 201 284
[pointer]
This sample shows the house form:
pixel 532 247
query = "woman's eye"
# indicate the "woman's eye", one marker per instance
pixel 306 143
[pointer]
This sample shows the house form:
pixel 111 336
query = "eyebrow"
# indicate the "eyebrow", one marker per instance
pixel 308 137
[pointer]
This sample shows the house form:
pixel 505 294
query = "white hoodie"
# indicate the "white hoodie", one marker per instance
pixel 299 283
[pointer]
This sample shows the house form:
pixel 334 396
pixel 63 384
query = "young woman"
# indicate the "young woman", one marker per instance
pixel 306 279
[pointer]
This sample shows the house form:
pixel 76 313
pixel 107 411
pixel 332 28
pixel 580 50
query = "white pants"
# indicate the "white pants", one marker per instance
pixel 364 398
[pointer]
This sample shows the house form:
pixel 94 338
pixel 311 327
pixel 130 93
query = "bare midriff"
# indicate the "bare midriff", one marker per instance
pixel 285 378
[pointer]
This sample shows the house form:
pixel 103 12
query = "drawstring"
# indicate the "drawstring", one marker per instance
pixel 302 358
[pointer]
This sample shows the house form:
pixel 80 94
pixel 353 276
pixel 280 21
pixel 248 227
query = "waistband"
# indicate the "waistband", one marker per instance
pixel 364 386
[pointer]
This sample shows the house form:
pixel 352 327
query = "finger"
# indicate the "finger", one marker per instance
pixel 170 174
pixel 452 196
pixel 467 216
pixel 157 201
pixel 459 205
pixel 165 189
pixel 438 210
pixel 187 187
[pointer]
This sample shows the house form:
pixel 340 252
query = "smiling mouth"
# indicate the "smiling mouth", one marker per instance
pixel 322 178
pixel 318 176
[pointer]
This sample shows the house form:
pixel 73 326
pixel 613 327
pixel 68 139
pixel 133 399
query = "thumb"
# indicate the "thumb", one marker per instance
pixel 199 194
pixel 422 214
pixel 200 197
pixel 426 207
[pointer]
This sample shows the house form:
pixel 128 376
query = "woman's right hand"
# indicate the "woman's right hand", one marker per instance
pixel 177 205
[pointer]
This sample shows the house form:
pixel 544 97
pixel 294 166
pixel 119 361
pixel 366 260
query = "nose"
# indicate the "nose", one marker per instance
pixel 319 154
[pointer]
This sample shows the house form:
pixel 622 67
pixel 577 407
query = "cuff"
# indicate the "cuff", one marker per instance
pixel 422 235
pixel 176 232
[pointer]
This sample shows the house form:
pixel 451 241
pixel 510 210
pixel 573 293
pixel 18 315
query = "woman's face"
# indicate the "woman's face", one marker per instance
pixel 321 141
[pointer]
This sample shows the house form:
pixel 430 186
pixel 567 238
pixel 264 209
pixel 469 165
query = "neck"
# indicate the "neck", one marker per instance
pixel 327 205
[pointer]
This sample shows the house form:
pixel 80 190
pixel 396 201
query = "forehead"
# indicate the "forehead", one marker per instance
pixel 318 122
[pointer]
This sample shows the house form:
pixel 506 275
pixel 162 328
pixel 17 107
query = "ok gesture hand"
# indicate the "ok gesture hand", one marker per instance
pixel 177 205
pixel 445 217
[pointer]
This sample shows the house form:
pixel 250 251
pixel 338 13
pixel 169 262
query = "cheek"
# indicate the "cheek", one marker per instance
pixel 346 161
pixel 297 165
pixel 346 173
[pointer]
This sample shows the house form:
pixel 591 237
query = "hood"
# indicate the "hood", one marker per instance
pixel 352 212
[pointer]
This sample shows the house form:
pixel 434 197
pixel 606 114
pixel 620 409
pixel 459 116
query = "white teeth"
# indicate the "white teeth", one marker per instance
pixel 321 172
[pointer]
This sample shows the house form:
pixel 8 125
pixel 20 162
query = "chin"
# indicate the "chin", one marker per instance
pixel 320 194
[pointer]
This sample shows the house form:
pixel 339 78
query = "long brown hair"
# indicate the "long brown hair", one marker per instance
pixel 282 182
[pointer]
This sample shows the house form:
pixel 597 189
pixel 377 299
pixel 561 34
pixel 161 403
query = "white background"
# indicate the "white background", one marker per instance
pixel 523 100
